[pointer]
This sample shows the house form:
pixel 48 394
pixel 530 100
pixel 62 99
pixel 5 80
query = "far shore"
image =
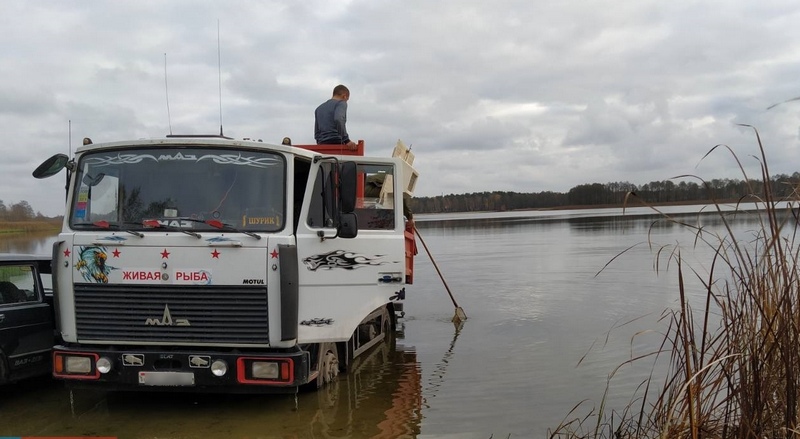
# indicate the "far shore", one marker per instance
pixel 631 204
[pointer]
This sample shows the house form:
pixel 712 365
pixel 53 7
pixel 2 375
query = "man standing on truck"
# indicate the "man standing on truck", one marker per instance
pixel 330 120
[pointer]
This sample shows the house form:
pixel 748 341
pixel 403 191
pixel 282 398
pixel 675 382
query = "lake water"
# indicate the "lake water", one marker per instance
pixel 552 304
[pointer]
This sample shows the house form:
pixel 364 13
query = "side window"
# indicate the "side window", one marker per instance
pixel 320 212
pixel 375 208
pixel 17 284
pixel 302 168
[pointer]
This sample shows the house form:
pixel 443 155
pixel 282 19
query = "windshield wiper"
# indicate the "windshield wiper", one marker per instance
pixel 222 226
pixel 217 224
pixel 157 225
pixel 213 223
pixel 106 225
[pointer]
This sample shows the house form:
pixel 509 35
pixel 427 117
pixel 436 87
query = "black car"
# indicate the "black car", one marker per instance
pixel 26 316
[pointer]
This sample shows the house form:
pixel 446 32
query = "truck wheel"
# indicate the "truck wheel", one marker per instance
pixel 328 364
pixel 386 322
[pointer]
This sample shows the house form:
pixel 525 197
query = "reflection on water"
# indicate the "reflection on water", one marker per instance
pixel 604 220
pixel 381 398
pixel 28 243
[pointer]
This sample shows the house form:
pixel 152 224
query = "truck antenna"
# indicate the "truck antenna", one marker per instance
pixel 166 92
pixel 219 76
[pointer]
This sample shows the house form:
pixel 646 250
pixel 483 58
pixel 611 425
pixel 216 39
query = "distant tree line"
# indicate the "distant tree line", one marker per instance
pixel 595 194
pixel 590 194
pixel 21 211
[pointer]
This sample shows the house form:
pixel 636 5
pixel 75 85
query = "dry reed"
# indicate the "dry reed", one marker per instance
pixel 734 365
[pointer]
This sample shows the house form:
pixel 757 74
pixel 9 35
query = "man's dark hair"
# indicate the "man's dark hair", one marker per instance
pixel 340 90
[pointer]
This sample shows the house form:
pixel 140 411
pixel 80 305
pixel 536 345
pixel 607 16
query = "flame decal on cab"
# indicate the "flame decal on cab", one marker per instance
pixel 342 259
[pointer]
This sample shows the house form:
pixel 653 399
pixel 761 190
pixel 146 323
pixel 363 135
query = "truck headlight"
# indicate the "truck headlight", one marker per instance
pixel 76 365
pixel 265 370
pixel 81 365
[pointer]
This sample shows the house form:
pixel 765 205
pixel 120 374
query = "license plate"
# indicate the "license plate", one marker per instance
pixel 166 378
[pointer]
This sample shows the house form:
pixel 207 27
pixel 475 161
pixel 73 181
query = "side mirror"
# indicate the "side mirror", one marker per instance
pixel 348 225
pixel 51 166
pixel 347 186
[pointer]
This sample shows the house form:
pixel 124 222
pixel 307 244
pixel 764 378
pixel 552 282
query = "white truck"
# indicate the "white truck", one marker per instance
pixel 219 265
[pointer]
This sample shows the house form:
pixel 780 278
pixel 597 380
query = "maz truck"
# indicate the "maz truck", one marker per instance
pixel 219 265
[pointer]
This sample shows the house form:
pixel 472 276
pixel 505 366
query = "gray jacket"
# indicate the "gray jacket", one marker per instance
pixel 330 119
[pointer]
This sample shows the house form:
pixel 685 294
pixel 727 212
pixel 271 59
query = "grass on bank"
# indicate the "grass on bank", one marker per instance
pixel 734 365
pixel 30 226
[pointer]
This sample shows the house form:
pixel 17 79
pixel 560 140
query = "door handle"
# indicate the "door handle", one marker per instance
pixel 225 244
pixel 390 278
pixel 2 317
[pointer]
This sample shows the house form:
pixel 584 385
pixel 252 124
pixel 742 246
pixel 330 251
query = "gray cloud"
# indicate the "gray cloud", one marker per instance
pixel 507 95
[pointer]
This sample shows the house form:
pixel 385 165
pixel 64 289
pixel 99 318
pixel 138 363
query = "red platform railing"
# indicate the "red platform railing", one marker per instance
pixel 341 150
pixel 335 149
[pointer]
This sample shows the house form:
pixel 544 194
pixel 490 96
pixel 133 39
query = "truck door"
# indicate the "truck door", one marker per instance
pixel 341 279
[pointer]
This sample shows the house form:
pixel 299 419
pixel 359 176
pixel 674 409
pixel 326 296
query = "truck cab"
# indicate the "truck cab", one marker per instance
pixel 26 317
pixel 214 264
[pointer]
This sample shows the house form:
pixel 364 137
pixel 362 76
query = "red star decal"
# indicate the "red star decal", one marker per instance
pixel 115 253
pixel 165 254
pixel 215 254
pixel 66 252
pixel 274 254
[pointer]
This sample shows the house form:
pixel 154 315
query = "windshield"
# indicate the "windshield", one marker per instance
pixel 179 187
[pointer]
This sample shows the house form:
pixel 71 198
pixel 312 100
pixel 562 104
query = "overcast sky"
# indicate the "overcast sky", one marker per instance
pixel 522 96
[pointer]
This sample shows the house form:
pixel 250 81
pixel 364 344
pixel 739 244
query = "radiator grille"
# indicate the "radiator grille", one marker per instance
pixel 215 314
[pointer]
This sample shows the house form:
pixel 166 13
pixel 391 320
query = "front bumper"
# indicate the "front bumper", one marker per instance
pixel 181 370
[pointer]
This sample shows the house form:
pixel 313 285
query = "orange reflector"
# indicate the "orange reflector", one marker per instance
pixel 58 364
pixel 284 371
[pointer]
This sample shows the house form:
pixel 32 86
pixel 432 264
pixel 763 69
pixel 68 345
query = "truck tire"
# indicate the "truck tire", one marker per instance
pixel 327 364
pixel 386 323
